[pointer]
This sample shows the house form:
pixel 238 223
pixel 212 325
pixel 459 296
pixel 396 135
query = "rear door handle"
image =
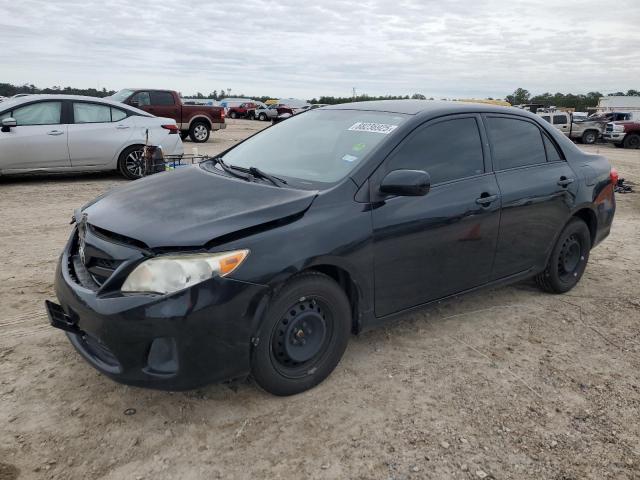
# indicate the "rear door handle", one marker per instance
pixel 565 182
pixel 122 127
pixel 487 199
pixel 55 132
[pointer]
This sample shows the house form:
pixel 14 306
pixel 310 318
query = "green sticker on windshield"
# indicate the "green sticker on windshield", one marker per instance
pixel 358 147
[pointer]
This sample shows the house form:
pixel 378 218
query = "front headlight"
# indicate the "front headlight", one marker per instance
pixel 170 273
pixel 618 128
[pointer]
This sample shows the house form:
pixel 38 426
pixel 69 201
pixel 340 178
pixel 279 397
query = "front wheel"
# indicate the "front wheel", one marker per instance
pixel 262 117
pixel 304 335
pixel 199 132
pixel 632 140
pixel 568 259
pixel 589 137
pixel 131 162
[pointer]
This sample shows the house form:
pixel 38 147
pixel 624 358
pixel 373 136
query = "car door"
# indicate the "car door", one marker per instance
pixel 38 141
pixel 163 105
pixel 538 189
pixel 436 245
pixel 97 133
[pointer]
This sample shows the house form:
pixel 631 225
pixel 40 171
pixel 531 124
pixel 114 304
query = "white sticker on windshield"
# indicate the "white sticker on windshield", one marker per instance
pixel 349 158
pixel 373 127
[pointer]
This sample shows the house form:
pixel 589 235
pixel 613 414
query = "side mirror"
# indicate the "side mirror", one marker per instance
pixel 7 123
pixel 134 103
pixel 406 183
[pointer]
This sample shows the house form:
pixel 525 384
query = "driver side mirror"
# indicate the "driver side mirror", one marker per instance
pixel 7 123
pixel 406 183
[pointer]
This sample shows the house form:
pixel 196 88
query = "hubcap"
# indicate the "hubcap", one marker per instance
pixel 570 257
pixel 300 336
pixel 200 132
pixel 134 163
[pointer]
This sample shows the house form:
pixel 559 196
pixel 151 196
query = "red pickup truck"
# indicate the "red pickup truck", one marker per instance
pixel 195 121
pixel 624 133
pixel 244 110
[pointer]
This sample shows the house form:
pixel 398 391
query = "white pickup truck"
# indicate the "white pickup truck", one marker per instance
pixel 585 130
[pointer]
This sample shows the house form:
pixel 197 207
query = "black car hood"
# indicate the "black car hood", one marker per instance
pixel 190 207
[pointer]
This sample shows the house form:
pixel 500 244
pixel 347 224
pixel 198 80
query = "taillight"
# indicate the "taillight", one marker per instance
pixel 172 128
pixel 614 176
pixel 222 113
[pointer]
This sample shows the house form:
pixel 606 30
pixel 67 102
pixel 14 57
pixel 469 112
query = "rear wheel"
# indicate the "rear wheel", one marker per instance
pixel 589 137
pixel 304 335
pixel 262 117
pixel 568 259
pixel 233 114
pixel 632 140
pixel 131 162
pixel 199 132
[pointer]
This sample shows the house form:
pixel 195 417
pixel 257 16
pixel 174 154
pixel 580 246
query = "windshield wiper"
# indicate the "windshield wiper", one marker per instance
pixel 230 169
pixel 256 172
pixel 251 172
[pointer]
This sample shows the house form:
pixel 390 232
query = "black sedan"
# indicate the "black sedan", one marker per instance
pixel 262 261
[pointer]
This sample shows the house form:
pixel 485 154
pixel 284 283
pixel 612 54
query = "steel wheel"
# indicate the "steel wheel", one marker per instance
pixel 301 337
pixel 569 258
pixel 589 137
pixel 262 117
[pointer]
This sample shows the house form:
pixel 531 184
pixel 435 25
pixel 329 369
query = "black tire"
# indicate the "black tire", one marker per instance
pixel 184 134
pixel 631 140
pixel 262 117
pixel 590 137
pixel 131 162
pixel 568 259
pixel 618 145
pixel 233 114
pixel 199 132
pixel 303 336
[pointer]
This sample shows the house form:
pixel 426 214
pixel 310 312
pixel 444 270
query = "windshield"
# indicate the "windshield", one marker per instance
pixel 122 95
pixel 318 145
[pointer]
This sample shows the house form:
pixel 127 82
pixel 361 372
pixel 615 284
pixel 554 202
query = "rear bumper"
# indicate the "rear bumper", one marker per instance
pixel 218 126
pixel 198 336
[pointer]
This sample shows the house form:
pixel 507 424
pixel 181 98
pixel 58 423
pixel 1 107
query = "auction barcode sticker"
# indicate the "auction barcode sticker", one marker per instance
pixel 373 127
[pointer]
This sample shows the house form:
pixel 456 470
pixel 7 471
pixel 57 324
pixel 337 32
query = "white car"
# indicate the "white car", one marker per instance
pixel 56 133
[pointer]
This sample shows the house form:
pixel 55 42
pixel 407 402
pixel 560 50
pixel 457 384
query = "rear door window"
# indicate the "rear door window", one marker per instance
pixel 448 150
pixel 515 143
pixel 560 120
pixel 41 113
pixel 91 113
pixel 161 98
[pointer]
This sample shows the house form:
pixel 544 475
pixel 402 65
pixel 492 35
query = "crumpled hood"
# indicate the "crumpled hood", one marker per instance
pixel 190 207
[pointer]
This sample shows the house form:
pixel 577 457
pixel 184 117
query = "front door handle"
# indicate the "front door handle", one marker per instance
pixel 122 127
pixel 55 133
pixel 486 199
pixel 565 182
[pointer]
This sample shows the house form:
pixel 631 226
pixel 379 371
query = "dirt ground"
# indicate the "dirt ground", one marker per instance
pixel 505 383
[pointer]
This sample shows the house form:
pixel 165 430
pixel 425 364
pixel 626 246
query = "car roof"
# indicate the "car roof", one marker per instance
pixel 15 102
pixel 415 107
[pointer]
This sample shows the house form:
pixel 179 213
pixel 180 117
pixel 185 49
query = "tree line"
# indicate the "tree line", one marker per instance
pixel 580 102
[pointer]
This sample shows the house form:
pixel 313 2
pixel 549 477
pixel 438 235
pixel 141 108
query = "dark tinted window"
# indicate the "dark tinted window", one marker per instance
pixel 553 155
pixel 161 98
pixel 515 143
pixel 560 119
pixel 547 118
pixel 447 151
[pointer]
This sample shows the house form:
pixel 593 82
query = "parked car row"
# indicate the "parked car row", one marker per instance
pixel 610 126
pixel 57 133
pixel 194 121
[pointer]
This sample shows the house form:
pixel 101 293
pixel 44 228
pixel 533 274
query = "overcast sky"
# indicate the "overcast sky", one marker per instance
pixel 282 48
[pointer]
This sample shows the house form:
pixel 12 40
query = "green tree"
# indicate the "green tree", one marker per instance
pixel 418 96
pixel 518 97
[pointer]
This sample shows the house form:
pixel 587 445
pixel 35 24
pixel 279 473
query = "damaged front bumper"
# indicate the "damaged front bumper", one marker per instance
pixel 194 337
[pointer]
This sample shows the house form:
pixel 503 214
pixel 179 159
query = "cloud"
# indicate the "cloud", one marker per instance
pixel 441 48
